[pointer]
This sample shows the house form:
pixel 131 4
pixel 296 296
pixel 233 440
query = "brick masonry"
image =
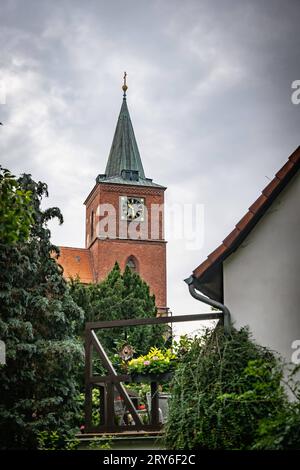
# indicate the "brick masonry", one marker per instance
pixel 103 248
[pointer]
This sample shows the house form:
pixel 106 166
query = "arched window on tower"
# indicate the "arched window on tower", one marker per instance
pixel 132 264
pixel 92 225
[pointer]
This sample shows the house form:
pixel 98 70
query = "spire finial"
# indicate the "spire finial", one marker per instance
pixel 124 87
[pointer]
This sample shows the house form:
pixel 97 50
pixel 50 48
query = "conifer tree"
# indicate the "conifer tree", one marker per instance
pixel 121 296
pixel 38 323
pixel 15 209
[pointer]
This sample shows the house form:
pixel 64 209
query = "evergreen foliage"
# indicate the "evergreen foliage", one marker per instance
pixel 223 387
pixel 38 323
pixel 120 296
pixel 16 213
pixel 281 431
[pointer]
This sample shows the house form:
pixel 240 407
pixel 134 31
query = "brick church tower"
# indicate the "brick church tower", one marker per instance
pixel 124 219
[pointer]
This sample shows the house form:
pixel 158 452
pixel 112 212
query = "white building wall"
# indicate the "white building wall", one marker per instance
pixel 261 279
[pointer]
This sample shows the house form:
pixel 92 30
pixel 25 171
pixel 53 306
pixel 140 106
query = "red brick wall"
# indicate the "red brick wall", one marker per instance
pixel 91 205
pixel 150 254
pixel 151 258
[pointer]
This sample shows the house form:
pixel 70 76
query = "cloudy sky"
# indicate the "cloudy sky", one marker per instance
pixel 209 96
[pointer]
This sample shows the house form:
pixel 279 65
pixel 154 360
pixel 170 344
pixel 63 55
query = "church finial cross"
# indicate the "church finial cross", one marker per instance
pixel 124 87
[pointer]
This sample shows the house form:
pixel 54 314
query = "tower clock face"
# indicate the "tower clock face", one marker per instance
pixel 132 208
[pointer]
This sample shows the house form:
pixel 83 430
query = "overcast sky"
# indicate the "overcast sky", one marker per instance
pixel 209 97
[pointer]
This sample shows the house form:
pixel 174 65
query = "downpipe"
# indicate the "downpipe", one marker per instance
pixel 213 303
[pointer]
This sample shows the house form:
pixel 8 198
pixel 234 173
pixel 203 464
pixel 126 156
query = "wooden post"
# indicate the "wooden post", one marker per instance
pixel 88 386
pixel 110 409
pixel 154 403
pixel 102 408
pixel 119 386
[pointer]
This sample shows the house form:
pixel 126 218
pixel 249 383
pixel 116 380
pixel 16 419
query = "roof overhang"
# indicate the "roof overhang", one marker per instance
pixel 208 276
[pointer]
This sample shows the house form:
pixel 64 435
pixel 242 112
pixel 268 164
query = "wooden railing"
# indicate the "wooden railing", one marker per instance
pixel 107 383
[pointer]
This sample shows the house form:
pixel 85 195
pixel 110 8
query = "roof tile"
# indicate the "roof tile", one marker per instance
pixel 217 253
pixel 231 237
pixel 284 170
pixel 271 186
pixel 242 224
pixel 203 267
pixel 260 205
pixel 295 157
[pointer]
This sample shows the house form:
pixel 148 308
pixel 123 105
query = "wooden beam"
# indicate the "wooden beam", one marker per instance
pixel 120 387
pixel 109 378
pixel 154 321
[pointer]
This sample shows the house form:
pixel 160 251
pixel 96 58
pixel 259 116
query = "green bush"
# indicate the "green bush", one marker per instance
pixel 223 387
pixel 39 324
pixel 100 443
pixel 55 440
pixel 280 432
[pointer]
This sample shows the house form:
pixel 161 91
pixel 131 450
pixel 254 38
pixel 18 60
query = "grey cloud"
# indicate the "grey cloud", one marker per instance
pixel 209 96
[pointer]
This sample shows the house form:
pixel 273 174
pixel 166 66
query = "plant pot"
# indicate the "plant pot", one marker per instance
pixel 148 378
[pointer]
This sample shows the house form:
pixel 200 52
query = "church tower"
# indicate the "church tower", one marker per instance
pixel 125 215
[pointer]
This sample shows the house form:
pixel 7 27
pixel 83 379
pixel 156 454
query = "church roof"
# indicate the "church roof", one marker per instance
pixel 124 164
pixel 131 182
pixel 124 153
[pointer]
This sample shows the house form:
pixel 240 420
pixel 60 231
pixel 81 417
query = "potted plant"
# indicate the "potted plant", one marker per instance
pixel 156 366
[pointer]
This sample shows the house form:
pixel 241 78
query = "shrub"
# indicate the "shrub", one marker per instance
pixel 39 325
pixel 280 432
pixel 222 388
pixel 56 440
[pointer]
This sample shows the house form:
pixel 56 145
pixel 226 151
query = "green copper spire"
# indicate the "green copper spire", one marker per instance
pixel 124 153
pixel 124 165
